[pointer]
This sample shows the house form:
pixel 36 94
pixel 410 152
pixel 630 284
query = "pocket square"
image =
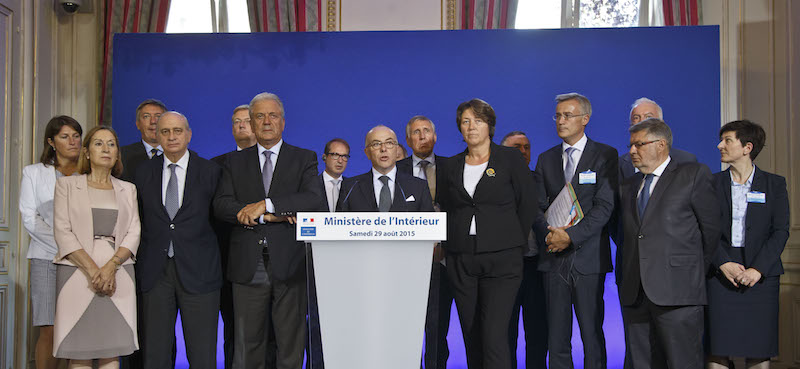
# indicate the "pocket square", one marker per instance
pixel 410 198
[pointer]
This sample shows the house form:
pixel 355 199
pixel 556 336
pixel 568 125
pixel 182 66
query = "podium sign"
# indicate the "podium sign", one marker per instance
pixel 372 275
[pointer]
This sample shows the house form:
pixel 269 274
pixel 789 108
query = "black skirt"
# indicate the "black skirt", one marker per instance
pixel 743 322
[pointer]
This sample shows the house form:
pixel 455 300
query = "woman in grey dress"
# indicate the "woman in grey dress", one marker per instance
pixel 62 147
pixel 96 226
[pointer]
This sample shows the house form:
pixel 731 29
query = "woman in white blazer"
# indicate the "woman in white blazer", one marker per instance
pixel 62 147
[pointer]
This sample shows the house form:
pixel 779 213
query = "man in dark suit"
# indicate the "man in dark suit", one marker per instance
pixel 531 297
pixel 672 223
pixel 147 114
pixel 576 259
pixel 641 110
pixel 178 264
pixel 423 164
pixel 384 188
pixel 244 138
pixel 262 189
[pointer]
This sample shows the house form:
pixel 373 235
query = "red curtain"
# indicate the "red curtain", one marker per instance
pixel 125 16
pixel 481 14
pixel 681 12
pixel 285 15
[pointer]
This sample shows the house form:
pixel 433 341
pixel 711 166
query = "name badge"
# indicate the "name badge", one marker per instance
pixel 587 177
pixel 757 197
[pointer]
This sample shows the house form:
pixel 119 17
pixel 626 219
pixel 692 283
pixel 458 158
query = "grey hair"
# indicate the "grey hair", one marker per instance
pixel 642 100
pixel 238 108
pixel 655 127
pixel 416 118
pixel 586 106
pixel 172 112
pixel 366 143
pixel 267 96
pixel 512 134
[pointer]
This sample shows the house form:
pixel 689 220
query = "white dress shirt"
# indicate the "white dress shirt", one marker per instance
pixel 656 175
pixel 576 154
pixel 378 185
pixel 274 158
pixel 148 148
pixel 472 175
pixel 739 208
pixel 180 174
pixel 416 170
pixel 332 187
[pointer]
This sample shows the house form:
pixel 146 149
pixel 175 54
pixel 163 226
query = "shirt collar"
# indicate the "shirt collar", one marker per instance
pixel 148 148
pixel 749 182
pixel 183 162
pixel 275 149
pixel 431 159
pixel 580 145
pixel 660 170
pixel 327 178
pixel 376 175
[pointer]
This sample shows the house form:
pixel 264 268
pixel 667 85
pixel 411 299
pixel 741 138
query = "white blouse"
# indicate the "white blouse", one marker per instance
pixel 472 175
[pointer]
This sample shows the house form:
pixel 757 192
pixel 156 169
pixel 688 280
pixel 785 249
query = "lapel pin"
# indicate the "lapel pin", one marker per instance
pixel 490 172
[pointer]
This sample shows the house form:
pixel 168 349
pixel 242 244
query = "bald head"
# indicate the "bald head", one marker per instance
pixel 173 134
pixel 380 146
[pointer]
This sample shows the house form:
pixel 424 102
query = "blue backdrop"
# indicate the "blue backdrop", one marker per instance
pixel 341 84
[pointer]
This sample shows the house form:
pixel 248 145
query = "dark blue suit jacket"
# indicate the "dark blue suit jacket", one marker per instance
pixel 406 166
pixel 197 258
pixel 766 225
pixel 360 196
pixel 590 241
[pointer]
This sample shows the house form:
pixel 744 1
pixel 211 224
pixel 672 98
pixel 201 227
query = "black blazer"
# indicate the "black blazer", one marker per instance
pixel 361 194
pixel 504 203
pixel 666 253
pixel 406 166
pixel 590 242
pixel 343 187
pixel 133 155
pixel 197 258
pixel 223 229
pixel 766 225
pixel 294 188
pixel 626 165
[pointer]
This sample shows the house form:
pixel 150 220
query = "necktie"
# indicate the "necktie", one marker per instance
pixel 334 198
pixel 153 153
pixel 644 197
pixel 569 169
pixel 430 176
pixel 266 171
pixel 171 200
pixel 386 196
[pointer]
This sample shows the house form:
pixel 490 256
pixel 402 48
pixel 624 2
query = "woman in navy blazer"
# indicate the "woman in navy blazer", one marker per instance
pixel 490 208
pixel 743 291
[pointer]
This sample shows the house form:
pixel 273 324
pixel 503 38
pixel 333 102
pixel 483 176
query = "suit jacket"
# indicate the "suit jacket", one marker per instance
pixel 626 168
pixel 36 207
pixel 73 226
pixel 666 252
pixel 294 188
pixel 344 187
pixel 361 194
pixel 766 225
pixel 504 203
pixel 406 166
pixel 590 242
pixel 197 258
pixel 133 155
pixel 223 229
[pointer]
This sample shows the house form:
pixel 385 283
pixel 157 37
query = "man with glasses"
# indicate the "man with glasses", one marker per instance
pixel 383 188
pixel 423 164
pixel 575 259
pixel 671 221
pixel 263 188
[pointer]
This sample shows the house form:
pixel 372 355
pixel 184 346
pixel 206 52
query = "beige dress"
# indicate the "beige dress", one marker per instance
pixel 90 325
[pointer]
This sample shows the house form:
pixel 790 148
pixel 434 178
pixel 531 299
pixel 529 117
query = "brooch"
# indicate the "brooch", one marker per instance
pixel 490 172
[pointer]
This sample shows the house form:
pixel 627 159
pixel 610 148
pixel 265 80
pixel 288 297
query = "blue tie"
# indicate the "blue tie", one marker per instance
pixel 644 197
pixel 569 169
pixel 171 200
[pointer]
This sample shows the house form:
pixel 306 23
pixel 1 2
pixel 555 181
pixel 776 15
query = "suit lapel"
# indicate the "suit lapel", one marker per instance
pixel 253 170
pixel 725 187
pixel 633 192
pixel 583 165
pixel 658 190
pixel 86 229
pixel 459 172
pixel 399 201
pixel 284 162
pixel 119 193
pixel 368 190
pixel 187 183
pixel 157 174
pixel 759 184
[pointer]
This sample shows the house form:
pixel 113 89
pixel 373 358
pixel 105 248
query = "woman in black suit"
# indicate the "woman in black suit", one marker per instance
pixel 743 293
pixel 490 209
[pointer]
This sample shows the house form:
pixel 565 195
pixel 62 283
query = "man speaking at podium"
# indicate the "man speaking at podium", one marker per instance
pixel 383 188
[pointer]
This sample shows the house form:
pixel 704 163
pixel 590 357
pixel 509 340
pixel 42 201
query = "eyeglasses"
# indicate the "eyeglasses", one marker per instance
pixel 337 156
pixel 567 116
pixel 388 145
pixel 639 145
